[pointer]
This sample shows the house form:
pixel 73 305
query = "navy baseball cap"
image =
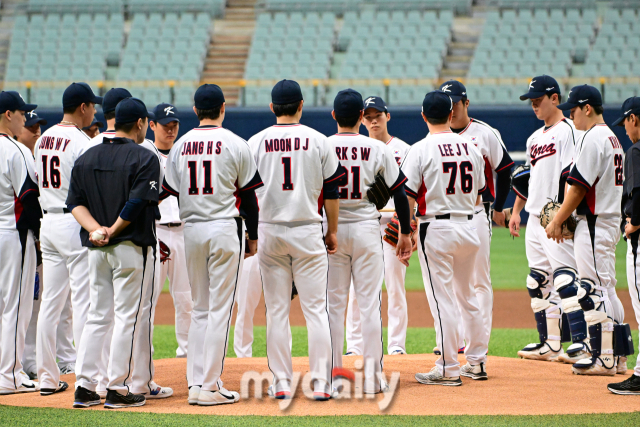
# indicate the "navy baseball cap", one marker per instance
pixel 129 110
pixel 437 105
pixel 93 123
pixel 79 93
pixel 376 103
pixel 348 103
pixel 208 97
pixel 582 95
pixel 33 118
pixel 165 113
pixel 455 90
pixel 540 86
pixel 629 107
pixel 11 100
pixel 113 97
pixel 286 92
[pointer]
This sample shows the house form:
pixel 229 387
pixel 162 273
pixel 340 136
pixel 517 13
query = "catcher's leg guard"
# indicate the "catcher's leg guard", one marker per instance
pixel 564 280
pixel 622 346
pixel 602 361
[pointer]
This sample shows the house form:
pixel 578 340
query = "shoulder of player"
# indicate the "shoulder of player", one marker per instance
pixel 12 147
pixel 487 132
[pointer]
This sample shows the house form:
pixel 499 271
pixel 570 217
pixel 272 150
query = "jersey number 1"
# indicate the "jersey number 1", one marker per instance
pixel 466 179
pixel 193 178
pixel 50 168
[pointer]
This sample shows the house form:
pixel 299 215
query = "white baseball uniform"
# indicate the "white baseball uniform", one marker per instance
pixel 360 247
pixel 394 275
pixel 296 162
pixel 64 259
pixel 18 254
pixel 208 168
pixel 445 174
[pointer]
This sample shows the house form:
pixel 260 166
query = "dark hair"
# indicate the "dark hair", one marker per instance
pixel 347 122
pixel 286 109
pixel 437 121
pixel 110 115
pixel 549 95
pixel 125 127
pixel 597 108
pixel 70 110
pixel 212 114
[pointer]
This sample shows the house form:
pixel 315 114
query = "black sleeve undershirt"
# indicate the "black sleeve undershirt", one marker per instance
pixel 635 199
pixel 402 209
pixel 331 184
pixel 251 212
pixel 503 185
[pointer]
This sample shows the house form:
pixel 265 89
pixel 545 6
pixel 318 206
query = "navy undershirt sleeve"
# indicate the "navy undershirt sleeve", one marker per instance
pixel 402 209
pixel 132 209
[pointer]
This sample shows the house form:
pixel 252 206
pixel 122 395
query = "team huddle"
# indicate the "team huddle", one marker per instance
pixel 101 222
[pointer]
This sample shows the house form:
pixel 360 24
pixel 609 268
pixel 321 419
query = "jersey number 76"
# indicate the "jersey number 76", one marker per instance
pixel 466 179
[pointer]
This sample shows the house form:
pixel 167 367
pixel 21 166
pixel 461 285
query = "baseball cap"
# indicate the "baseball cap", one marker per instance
pixel 286 92
pixel 93 123
pixel 630 106
pixel 348 103
pixel 208 97
pixel 540 86
pixel 79 93
pixel 130 110
pixel 454 89
pixel 165 113
pixel 11 100
pixel 437 104
pixel 582 95
pixel 376 103
pixel 113 97
pixel 33 118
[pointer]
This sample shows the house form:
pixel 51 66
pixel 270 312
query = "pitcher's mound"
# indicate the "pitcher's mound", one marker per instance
pixel 515 387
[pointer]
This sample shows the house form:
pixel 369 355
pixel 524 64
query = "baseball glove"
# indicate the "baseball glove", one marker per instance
pixel 294 291
pixel 379 193
pixel 547 214
pixel 393 229
pixel 165 252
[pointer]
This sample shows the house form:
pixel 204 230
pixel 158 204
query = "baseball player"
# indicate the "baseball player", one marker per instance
pixel 375 118
pixel 552 282
pixel 595 192
pixel 360 248
pixel 170 233
pixel 66 353
pixel 215 175
pixel 93 129
pixel 64 259
pixel 630 119
pixel 20 215
pixel 116 183
pixel 445 177
pixel 497 170
pixel 301 172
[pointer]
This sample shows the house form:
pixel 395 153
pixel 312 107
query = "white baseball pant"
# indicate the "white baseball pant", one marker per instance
pixel 633 278
pixel 65 270
pixel 482 269
pixel 215 253
pixel 297 254
pixel 359 257
pixel 247 298
pixel 119 276
pixel 18 273
pixel 447 250
pixel 175 269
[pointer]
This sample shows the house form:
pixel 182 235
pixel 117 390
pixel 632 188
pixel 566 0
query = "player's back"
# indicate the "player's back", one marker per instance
pixel 207 167
pixel 293 161
pixel 15 171
pixel 56 151
pixel 451 174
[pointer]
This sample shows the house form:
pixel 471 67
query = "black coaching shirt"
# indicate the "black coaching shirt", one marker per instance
pixel 106 176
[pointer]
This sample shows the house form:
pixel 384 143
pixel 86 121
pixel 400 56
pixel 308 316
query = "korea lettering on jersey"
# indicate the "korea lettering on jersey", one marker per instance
pixel 598 168
pixel 297 161
pixel 56 151
pixel 494 153
pixel 363 158
pixel 550 155
pixel 218 165
pixel 445 174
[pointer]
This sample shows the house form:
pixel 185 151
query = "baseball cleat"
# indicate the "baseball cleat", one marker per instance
pixel 397 352
pixel 217 397
pixel 69 369
pixel 540 351
pixel 282 395
pixel 158 392
pixel 575 352
pixel 83 398
pixel 350 353
pixel 621 365
pixel 434 377
pixel 437 351
pixel 475 372
pixel 33 375
pixel 116 400
pixel 629 386
pixel 27 386
pixel 62 386
pixel 321 396
pixel 592 366
pixel 194 394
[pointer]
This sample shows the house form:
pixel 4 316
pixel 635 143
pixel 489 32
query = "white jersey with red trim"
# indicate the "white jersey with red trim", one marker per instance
pixel 495 155
pixel 17 178
pixel 445 174
pixel 598 167
pixel 550 155
pixel 149 145
pixel 399 148
pixel 56 152
pixel 363 158
pixel 294 161
pixel 207 168
pixel 169 209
